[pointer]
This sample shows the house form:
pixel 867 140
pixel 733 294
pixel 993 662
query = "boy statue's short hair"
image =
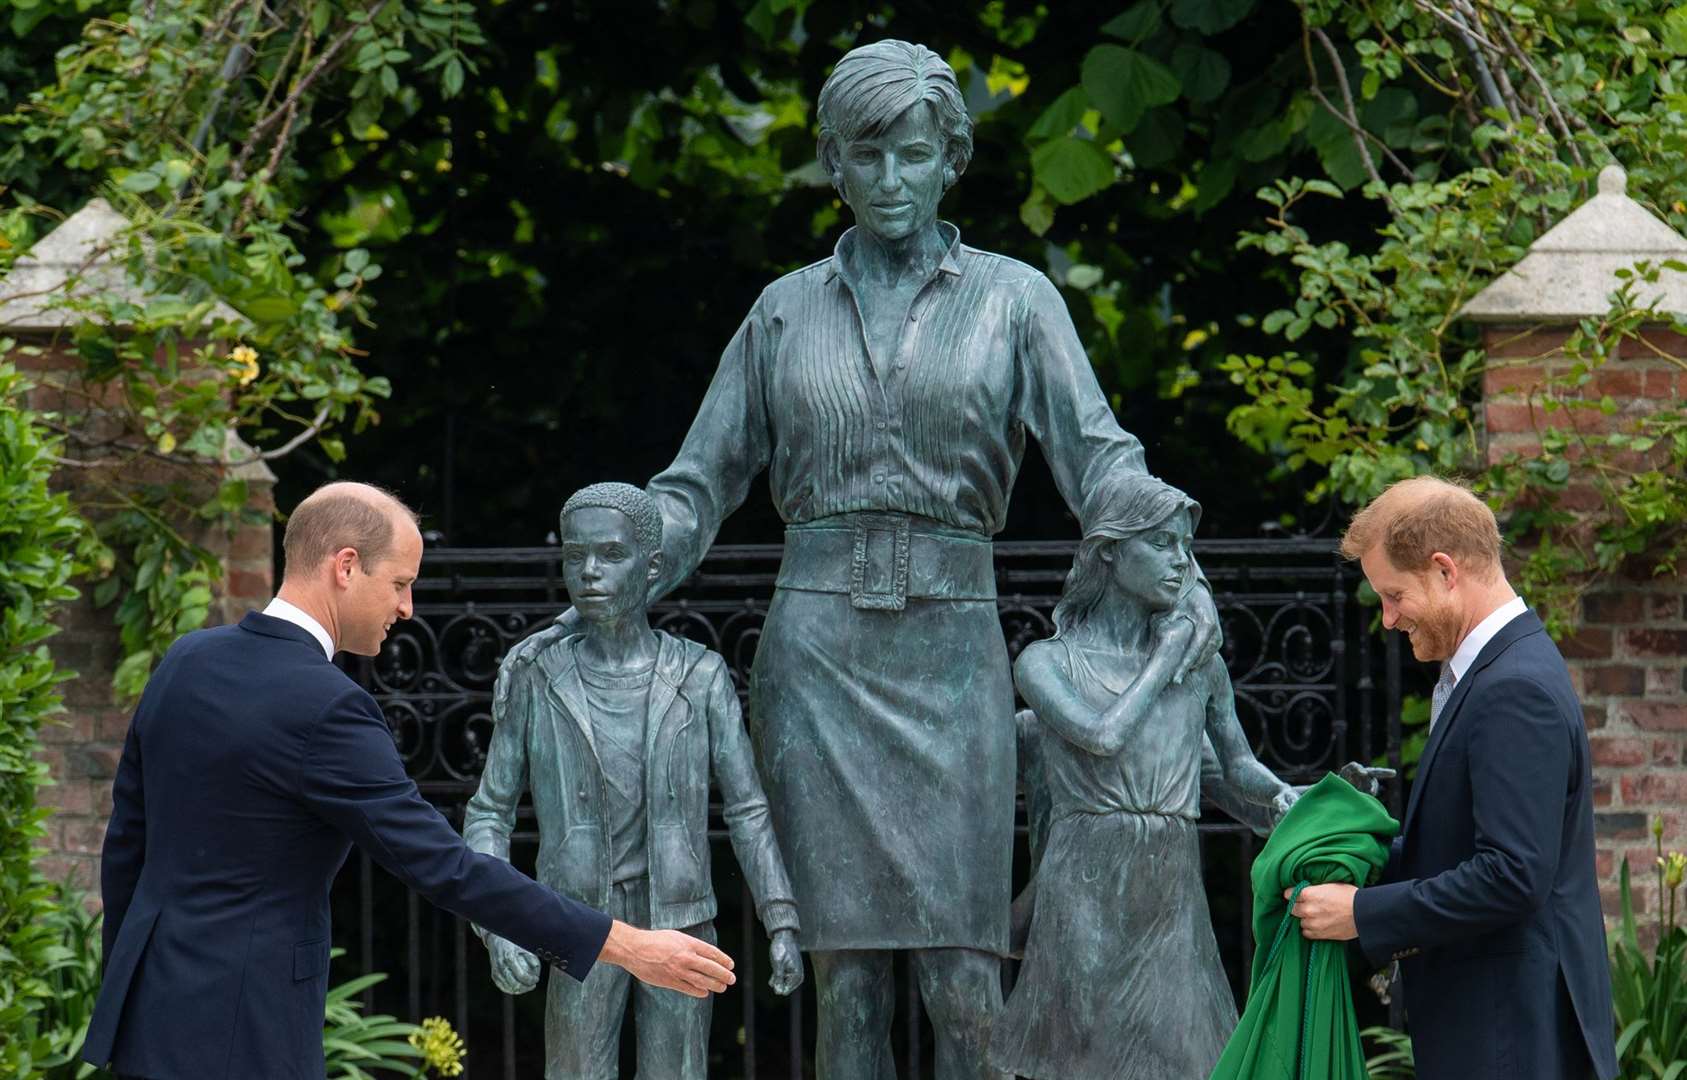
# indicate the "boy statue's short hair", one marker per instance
pixel 634 502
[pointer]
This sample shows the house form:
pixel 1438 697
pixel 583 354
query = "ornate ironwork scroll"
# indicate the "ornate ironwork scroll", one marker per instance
pixel 1304 667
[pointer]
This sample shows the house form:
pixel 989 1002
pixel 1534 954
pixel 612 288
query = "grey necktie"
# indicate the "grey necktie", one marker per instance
pixel 1443 690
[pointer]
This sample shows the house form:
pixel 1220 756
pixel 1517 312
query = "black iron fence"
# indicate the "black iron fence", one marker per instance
pixel 1314 688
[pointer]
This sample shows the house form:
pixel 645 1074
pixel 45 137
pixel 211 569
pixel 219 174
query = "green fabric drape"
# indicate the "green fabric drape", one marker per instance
pixel 1299 1022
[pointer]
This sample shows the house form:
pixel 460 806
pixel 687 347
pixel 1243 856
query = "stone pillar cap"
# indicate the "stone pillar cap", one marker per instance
pixel 1569 273
pixel 75 258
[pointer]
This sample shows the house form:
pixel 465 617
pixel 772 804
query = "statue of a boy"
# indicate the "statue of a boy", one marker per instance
pixel 615 730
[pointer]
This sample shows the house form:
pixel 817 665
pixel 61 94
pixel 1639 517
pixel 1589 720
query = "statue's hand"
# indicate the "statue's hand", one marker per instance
pixel 1172 634
pixel 1197 604
pixel 1365 778
pixel 514 969
pixel 526 652
pixel 787 963
pixel 1281 802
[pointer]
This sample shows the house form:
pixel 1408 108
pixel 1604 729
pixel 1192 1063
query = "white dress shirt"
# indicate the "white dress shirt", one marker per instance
pixel 281 609
pixel 1471 647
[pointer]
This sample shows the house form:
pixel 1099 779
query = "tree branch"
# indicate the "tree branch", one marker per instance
pixel 1547 95
pixel 292 444
pixel 289 105
pixel 1351 116
pixel 1471 40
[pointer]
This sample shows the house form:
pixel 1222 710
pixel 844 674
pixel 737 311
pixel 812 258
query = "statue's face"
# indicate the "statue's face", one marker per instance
pixel 602 566
pixel 1153 566
pixel 894 180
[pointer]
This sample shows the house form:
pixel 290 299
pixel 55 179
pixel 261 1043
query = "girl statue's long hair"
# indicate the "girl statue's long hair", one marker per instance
pixel 1121 505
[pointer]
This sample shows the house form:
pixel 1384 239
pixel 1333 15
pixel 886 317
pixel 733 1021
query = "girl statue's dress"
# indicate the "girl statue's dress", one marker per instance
pixel 1121 978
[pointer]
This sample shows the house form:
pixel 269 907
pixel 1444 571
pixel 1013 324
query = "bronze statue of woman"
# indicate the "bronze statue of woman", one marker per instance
pixel 889 390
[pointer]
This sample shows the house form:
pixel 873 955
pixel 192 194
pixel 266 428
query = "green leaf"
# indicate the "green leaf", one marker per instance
pixel 131 674
pixel 1072 169
pixel 1062 116
pixel 269 309
pixel 1210 16
pixel 1124 83
pixel 1136 23
pixel 141 181
pixel 176 172
pixel 1675 30
pixel 1204 73
pixel 1036 212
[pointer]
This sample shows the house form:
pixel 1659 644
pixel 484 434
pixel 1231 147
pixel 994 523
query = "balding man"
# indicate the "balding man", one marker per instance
pixel 251 766
pixel 1490 900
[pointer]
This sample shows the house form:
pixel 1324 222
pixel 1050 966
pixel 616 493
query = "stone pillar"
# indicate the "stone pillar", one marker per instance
pixel 82 748
pixel 1628 660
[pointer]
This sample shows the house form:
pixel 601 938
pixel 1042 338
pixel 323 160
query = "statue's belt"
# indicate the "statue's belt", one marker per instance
pixel 883 560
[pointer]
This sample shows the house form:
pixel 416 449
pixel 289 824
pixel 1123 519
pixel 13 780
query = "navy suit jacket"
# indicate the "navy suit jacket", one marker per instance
pixel 252 765
pixel 1490 901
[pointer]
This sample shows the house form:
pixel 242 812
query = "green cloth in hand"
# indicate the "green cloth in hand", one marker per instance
pixel 1299 1021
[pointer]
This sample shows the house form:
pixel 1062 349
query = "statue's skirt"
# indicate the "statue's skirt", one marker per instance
pixel 885 739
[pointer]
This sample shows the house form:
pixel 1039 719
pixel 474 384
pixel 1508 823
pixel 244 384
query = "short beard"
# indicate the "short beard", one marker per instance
pixel 1435 637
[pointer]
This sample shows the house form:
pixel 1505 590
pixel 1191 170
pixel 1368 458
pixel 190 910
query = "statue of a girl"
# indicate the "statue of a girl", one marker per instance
pixel 1121 977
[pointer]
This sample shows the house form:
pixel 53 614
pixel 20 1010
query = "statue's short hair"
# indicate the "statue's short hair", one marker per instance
pixel 639 507
pixel 875 84
pixel 341 515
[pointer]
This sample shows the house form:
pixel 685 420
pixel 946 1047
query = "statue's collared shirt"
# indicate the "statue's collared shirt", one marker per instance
pixel 987 355
pixel 867 720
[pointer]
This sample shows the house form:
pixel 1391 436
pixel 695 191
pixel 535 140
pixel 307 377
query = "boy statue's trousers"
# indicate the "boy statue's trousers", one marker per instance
pixel 583 1022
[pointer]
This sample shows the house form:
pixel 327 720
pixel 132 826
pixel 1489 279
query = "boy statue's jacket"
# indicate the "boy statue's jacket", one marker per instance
pixel 542 741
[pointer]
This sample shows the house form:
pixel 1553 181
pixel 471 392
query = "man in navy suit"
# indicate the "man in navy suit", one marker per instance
pixel 1489 900
pixel 251 766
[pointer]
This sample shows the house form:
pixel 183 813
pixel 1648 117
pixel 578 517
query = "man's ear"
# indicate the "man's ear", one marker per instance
pixel 655 570
pixel 1442 565
pixel 345 563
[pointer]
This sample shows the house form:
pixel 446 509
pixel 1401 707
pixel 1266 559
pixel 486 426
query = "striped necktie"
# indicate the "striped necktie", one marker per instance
pixel 1443 690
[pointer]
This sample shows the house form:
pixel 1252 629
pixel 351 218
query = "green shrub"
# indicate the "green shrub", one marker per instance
pixel 39 538
pixel 1650 996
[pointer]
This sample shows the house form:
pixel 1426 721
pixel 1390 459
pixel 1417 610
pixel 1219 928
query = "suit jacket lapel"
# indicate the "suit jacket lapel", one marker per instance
pixel 1509 634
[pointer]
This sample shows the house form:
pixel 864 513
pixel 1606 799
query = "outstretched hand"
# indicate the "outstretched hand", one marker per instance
pixel 670 959
pixel 1197 605
pixel 787 963
pixel 514 969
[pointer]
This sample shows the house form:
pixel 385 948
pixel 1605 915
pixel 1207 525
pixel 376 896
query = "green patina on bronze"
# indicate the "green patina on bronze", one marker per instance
pixel 889 392
pixel 616 732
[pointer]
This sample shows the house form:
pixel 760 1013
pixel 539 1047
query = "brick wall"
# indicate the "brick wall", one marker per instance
pixel 1629 659
pixel 82 749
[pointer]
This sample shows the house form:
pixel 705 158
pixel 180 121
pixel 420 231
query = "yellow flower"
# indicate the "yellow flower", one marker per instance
pixel 441 1047
pixel 244 364
pixel 1674 866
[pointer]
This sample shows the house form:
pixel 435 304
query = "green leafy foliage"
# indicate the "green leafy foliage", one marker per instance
pixel 1649 994
pixel 40 536
pixel 1391 1058
pixel 185 116
pixel 1486 142
pixel 361 1047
